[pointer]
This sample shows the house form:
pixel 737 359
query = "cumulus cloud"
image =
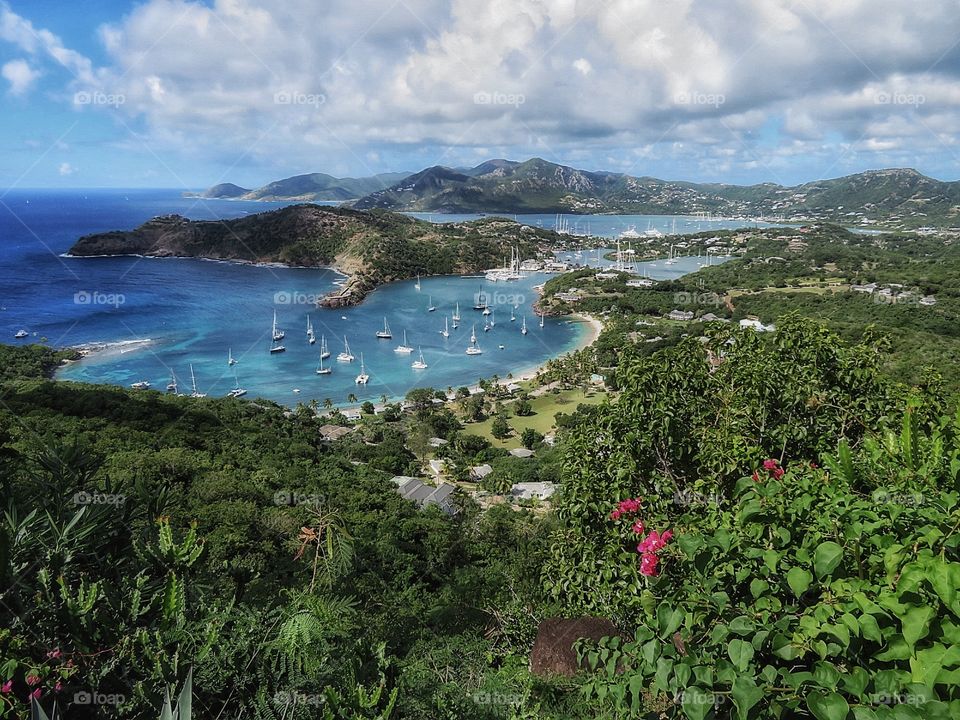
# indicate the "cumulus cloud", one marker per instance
pixel 20 76
pixel 306 82
pixel 66 169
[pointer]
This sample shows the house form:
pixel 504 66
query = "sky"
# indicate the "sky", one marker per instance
pixel 187 94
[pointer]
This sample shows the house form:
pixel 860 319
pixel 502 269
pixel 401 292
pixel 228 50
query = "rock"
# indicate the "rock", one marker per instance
pixel 553 652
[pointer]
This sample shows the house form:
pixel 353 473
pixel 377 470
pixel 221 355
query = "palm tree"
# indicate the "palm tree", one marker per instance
pixel 328 403
pixel 351 398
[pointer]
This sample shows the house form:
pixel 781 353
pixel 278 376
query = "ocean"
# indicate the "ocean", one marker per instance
pixel 155 318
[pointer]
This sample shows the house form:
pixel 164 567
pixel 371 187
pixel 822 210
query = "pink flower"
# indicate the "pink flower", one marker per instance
pixel 615 515
pixel 770 464
pixel 756 476
pixel 54 654
pixel 638 527
pixel 630 505
pixel 778 473
pixel 35 694
pixel 654 542
pixel 6 687
pixel 58 687
pixel 648 564
pixel 33 679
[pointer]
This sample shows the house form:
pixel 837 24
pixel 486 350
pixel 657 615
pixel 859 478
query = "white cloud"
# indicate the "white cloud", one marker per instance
pixel 20 76
pixel 66 169
pixel 582 66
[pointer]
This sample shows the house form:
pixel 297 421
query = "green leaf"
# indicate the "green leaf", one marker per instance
pixel 916 623
pixel 799 580
pixel 745 695
pixel 741 653
pixel 697 703
pixel 827 706
pixel 826 558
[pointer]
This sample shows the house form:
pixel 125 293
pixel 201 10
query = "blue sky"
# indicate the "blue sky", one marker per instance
pixel 177 93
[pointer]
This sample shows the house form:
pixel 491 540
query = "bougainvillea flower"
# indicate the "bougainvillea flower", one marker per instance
pixel 770 464
pixel 615 515
pixel 778 473
pixel 756 476
pixel 6 687
pixel 648 564
pixel 35 694
pixel 58 687
pixel 54 654
pixel 630 505
pixel 638 527
pixel 33 679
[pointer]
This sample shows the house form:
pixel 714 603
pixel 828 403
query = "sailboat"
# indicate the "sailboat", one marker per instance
pixel 481 302
pixel 311 338
pixel 456 315
pixel 419 364
pixel 417 286
pixel 403 349
pixel 321 370
pixel 141 385
pixel 237 390
pixel 384 334
pixel 513 315
pixel 523 328
pixel 21 334
pixel 172 385
pixel 193 383
pixel 278 334
pixel 541 319
pixel 345 356
pixel 487 310
pixel 473 349
pixel 486 326
pixel 324 350
pixel 230 359
pixel 493 321
pixel 430 306
pixel 446 329
pixel 362 378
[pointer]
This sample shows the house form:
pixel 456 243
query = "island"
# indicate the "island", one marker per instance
pixel 369 247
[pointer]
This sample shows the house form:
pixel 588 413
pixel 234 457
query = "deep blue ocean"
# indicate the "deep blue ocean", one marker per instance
pixel 159 316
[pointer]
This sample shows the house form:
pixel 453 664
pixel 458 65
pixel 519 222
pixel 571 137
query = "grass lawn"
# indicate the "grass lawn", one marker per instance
pixel 545 408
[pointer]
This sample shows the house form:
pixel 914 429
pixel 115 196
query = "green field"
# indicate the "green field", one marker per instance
pixel 545 409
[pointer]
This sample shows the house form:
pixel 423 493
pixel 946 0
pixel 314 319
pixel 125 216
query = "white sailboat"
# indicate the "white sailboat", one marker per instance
pixel 277 333
pixel 487 310
pixel 21 334
pixel 385 334
pixel 230 359
pixel 446 329
pixel 403 349
pixel 172 385
pixel 345 356
pixel 311 338
pixel 419 364
pixel 523 328
pixel 541 319
pixel 321 370
pixel 473 349
pixel 417 286
pixel 430 306
pixel 324 350
pixel 237 390
pixel 141 385
pixel 456 315
pixel 193 383
pixel 362 378
pixel 513 314
pixel 493 320
pixel 481 302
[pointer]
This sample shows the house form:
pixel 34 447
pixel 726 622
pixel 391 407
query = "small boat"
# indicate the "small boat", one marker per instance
pixel 419 364
pixel 513 315
pixel 21 334
pixel 403 349
pixel 362 378
pixel 446 329
pixel 541 319
pixel 324 350
pixel 430 306
pixel 487 311
pixel 523 328
pixel 456 315
pixel 385 334
pixel 237 390
pixel 172 385
pixel 311 337
pixel 345 356
pixel 417 286
pixel 473 349
pixel 193 382
pixel 501 346
pixel 486 327
pixel 493 321
pixel 321 370
pixel 296 391
pixel 343 317
pixel 278 334
pixel 481 301
pixel 141 385
pixel 275 348
pixel 230 359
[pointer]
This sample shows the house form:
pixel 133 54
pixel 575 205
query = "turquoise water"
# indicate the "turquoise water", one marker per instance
pixel 157 317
